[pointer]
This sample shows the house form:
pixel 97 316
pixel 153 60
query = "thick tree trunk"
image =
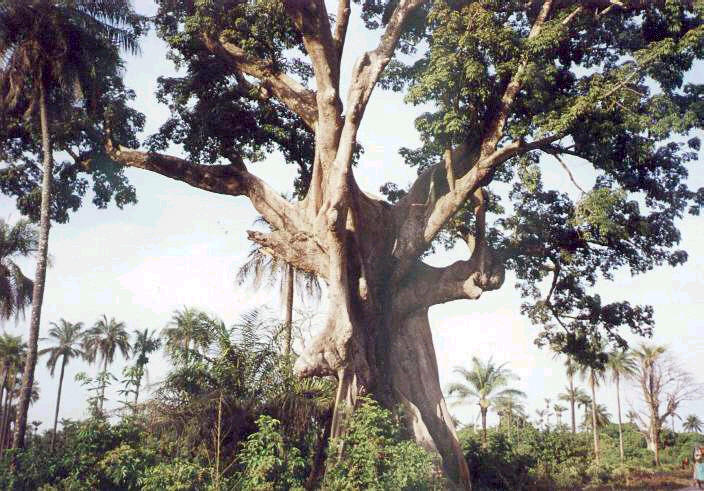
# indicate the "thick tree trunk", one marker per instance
pixel 618 408
pixel 40 275
pixel 58 401
pixel 288 321
pixel 485 440
pixel 594 426
pixel 400 370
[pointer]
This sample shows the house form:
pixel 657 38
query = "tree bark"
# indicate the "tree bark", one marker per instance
pixel 58 401
pixel 594 428
pixel 484 437
pixel 40 275
pixel 288 321
pixel 618 408
pixel 399 367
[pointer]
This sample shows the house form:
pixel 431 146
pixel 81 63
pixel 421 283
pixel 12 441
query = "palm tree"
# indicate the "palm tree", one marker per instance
pixel 68 338
pixel 692 424
pixel 485 383
pixel 621 364
pixel 188 331
pixel 559 409
pixel 47 47
pixel 103 339
pixel 571 370
pixel 632 416
pixel 509 408
pixel 575 396
pixel 12 352
pixel 145 343
pixel 19 239
pixel 262 268
pixel 601 417
pixel 594 377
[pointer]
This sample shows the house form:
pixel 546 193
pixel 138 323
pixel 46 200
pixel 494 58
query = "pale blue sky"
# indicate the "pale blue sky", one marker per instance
pixel 181 246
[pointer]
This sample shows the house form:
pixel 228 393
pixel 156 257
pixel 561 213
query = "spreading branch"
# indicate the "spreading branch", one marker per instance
pixel 232 179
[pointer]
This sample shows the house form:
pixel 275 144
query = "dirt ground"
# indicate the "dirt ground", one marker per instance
pixel 680 480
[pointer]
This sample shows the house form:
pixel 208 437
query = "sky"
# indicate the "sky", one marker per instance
pixel 180 246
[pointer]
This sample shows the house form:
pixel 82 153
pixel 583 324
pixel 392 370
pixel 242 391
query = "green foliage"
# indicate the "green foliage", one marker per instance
pixel 373 455
pixel 74 49
pixel 175 475
pixel 268 463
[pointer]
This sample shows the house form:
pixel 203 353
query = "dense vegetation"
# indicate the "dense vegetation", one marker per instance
pixel 229 414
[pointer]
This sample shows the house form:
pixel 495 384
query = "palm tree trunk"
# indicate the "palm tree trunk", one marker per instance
pixel 136 388
pixel 289 308
pixel 594 430
pixel 40 275
pixel 618 406
pixel 105 382
pixel 5 425
pixel 572 402
pixel 484 437
pixel 58 400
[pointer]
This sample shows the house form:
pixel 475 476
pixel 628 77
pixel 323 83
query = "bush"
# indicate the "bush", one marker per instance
pixel 267 462
pixel 374 455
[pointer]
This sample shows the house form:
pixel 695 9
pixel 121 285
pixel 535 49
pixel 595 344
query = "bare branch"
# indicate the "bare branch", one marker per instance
pixel 232 179
pixel 341 22
pixel 294 95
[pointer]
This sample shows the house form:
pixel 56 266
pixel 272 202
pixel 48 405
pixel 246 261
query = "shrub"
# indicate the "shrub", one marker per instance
pixel 374 455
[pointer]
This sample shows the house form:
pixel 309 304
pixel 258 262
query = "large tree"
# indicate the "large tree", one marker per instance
pixel 510 87
pixel 54 55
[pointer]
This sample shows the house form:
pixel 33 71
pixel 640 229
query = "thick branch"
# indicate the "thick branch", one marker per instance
pixel 341 22
pixel 312 20
pixel 233 179
pixel 294 95
pixel 299 250
pixel 463 279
